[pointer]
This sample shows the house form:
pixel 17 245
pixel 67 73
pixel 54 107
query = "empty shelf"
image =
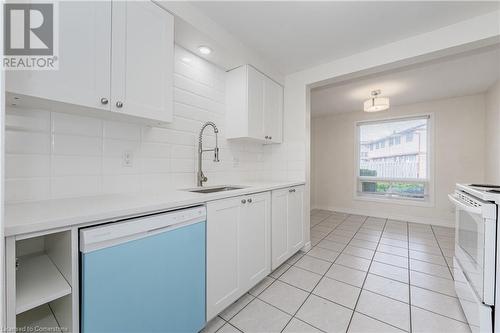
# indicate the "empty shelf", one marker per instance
pixel 40 317
pixel 38 281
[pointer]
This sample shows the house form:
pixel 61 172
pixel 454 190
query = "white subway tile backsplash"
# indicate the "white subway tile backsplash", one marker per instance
pixel 76 145
pixel 75 186
pixel 115 147
pixel 27 119
pixel 123 131
pixel 27 166
pixel 63 123
pixel 114 165
pixel 155 165
pixel 153 149
pixel 56 155
pixel 27 189
pixel 122 183
pixel 182 165
pixel 72 165
pixel 20 142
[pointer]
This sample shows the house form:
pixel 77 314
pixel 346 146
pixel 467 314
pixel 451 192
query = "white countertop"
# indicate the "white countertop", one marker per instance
pixel 39 216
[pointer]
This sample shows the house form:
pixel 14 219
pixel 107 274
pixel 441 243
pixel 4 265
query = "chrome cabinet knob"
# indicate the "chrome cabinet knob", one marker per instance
pixel 119 104
pixel 270 137
pixel 104 100
pixel 249 200
pixel 243 201
pixel 291 190
pixel 267 137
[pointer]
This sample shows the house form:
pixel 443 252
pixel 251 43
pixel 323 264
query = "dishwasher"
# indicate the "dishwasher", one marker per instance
pixel 145 274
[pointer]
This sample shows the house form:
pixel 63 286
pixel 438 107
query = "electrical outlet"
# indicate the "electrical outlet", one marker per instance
pixel 127 159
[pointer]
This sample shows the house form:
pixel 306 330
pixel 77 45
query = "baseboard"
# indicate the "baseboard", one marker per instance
pixel 307 246
pixel 407 218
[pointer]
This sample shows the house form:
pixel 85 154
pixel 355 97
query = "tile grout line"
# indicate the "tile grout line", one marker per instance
pixel 310 292
pixel 366 276
pixel 228 321
pixel 442 253
pixel 323 276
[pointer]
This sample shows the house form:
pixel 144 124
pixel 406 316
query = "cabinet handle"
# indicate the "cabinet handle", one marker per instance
pixel 243 201
pixel 267 137
pixel 249 200
pixel 291 190
pixel 119 104
pixel 104 100
pixel 270 137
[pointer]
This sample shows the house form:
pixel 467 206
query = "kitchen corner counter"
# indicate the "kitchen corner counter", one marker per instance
pixel 40 216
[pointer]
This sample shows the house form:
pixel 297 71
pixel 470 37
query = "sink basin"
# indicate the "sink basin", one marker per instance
pixel 213 189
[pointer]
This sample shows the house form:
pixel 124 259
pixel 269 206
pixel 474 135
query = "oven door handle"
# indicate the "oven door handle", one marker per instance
pixel 464 206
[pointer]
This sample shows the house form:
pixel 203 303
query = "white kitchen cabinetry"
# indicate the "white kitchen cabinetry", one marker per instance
pixel 142 60
pixel 238 248
pixel 83 77
pixel 254 105
pixel 287 226
pixel 113 56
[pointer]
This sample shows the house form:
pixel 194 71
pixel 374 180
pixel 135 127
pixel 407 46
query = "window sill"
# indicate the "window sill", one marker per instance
pixel 394 201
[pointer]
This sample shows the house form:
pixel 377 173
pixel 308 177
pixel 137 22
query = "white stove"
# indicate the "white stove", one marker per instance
pixel 486 192
pixel 475 260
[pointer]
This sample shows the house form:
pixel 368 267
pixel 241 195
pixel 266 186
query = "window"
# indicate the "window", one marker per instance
pixel 394 174
pixel 391 142
pixel 382 144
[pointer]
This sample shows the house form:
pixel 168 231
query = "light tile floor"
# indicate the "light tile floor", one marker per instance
pixel 363 274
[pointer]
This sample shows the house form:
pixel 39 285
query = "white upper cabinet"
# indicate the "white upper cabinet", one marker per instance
pixel 273 111
pixel 287 224
pixel 114 56
pixel 254 106
pixel 142 60
pixel 83 77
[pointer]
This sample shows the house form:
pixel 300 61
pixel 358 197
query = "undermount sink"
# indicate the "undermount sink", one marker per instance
pixel 213 189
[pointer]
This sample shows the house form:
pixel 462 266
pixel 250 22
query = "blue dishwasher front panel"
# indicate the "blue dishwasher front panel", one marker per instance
pixel 152 284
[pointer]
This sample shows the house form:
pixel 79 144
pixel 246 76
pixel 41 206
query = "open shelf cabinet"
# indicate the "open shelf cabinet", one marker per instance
pixel 42 281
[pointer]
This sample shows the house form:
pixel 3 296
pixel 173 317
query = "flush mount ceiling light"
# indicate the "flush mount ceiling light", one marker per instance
pixel 204 50
pixel 376 103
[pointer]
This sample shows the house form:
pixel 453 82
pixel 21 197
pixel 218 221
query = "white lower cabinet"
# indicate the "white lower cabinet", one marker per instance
pixel 238 248
pixel 287 228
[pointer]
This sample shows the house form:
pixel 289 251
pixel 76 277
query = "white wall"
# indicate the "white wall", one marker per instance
pixel 477 32
pixel 458 156
pixel 57 155
pixel 493 134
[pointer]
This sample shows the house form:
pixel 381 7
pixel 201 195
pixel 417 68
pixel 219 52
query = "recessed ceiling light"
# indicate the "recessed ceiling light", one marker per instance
pixel 186 60
pixel 204 50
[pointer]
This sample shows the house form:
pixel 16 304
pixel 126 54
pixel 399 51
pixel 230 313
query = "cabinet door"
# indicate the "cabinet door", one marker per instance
pixel 255 101
pixel 279 228
pixel 273 111
pixel 296 218
pixel 223 263
pixel 83 77
pixel 254 247
pixel 142 60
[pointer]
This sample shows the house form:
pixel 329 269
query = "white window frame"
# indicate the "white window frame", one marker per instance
pixel 428 201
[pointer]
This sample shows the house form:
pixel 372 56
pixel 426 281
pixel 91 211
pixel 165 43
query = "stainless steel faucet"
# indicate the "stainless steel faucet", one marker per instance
pixel 201 177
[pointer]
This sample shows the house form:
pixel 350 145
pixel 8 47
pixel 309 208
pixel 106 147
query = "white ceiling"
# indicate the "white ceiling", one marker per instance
pixel 449 77
pixel 294 35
